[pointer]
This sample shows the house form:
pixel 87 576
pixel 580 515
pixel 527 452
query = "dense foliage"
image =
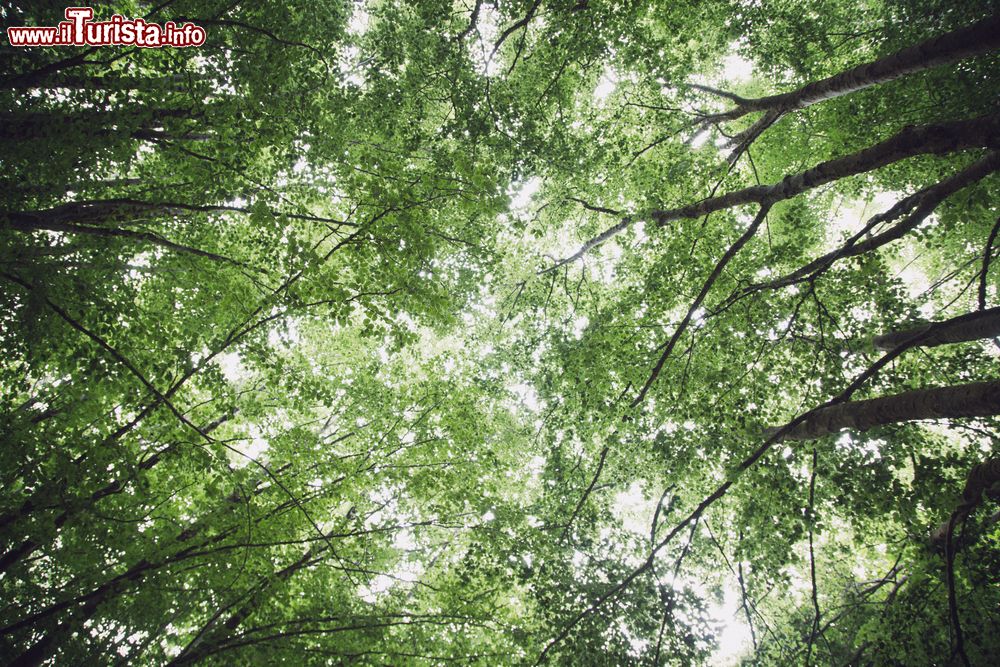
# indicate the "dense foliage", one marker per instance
pixel 424 332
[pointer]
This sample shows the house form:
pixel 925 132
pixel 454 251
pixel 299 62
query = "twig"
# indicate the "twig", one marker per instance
pixel 987 256
pixel 583 498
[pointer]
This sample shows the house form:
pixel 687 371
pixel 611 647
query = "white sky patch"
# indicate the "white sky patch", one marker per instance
pixel 639 229
pixel 358 23
pixel 905 264
pixel 376 588
pixel 521 194
pixel 254 446
pixel 633 509
pixel 884 200
pixel 698 140
pixel 143 259
pixel 611 254
pixel 285 337
pixel 486 34
pixel 851 215
pixel 736 68
pixel 535 466
pixel 404 540
pixel 140 262
pixel 232 366
pixel 735 639
pixel 349 63
pixel 606 85
pixel 526 395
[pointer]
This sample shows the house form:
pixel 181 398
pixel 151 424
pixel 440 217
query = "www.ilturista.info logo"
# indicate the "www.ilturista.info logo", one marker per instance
pixel 79 30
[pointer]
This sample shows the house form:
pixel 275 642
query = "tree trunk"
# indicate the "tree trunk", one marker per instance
pixel 983 478
pixel 98 211
pixel 919 205
pixel 976 39
pixel 978 399
pixel 26 225
pixel 981 132
pixel 985 324
pixel 207 641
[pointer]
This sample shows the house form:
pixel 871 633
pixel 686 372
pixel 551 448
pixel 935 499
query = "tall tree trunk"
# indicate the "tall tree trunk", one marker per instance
pixel 976 39
pixel 214 633
pixel 917 207
pixel 24 224
pixel 978 399
pixel 103 210
pixel 985 324
pixel 981 132
pixel 169 83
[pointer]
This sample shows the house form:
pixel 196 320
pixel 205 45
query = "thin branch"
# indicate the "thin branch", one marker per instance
pixel 719 93
pixel 472 22
pixel 987 256
pixel 515 27
pixel 583 498
pixel 592 207
pixel 705 288
pixel 747 463
pixel 812 557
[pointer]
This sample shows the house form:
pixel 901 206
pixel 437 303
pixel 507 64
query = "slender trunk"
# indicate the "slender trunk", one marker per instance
pixel 172 83
pixel 26 224
pixel 919 205
pixel 208 639
pixel 36 125
pixel 976 39
pixel 978 399
pixel 36 77
pixel 150 134
pixel 61 189
pixel 96 211
pixel 981 132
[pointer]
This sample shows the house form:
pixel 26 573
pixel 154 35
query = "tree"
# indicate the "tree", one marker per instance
pixel 428 332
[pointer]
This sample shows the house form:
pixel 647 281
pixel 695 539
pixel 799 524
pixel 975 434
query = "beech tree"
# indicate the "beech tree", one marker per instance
pixel 530 332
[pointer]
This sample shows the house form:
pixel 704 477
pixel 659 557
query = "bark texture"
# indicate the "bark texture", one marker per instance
pixel 983 478
pixel 981 132
pixel 978 399
pixel 973 40
pixel 941 138
pixel 980 325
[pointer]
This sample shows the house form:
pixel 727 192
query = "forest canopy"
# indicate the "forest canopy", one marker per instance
pixel 424 332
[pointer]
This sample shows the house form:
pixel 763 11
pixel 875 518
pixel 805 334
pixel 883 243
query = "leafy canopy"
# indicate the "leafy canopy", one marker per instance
pixel 409 332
